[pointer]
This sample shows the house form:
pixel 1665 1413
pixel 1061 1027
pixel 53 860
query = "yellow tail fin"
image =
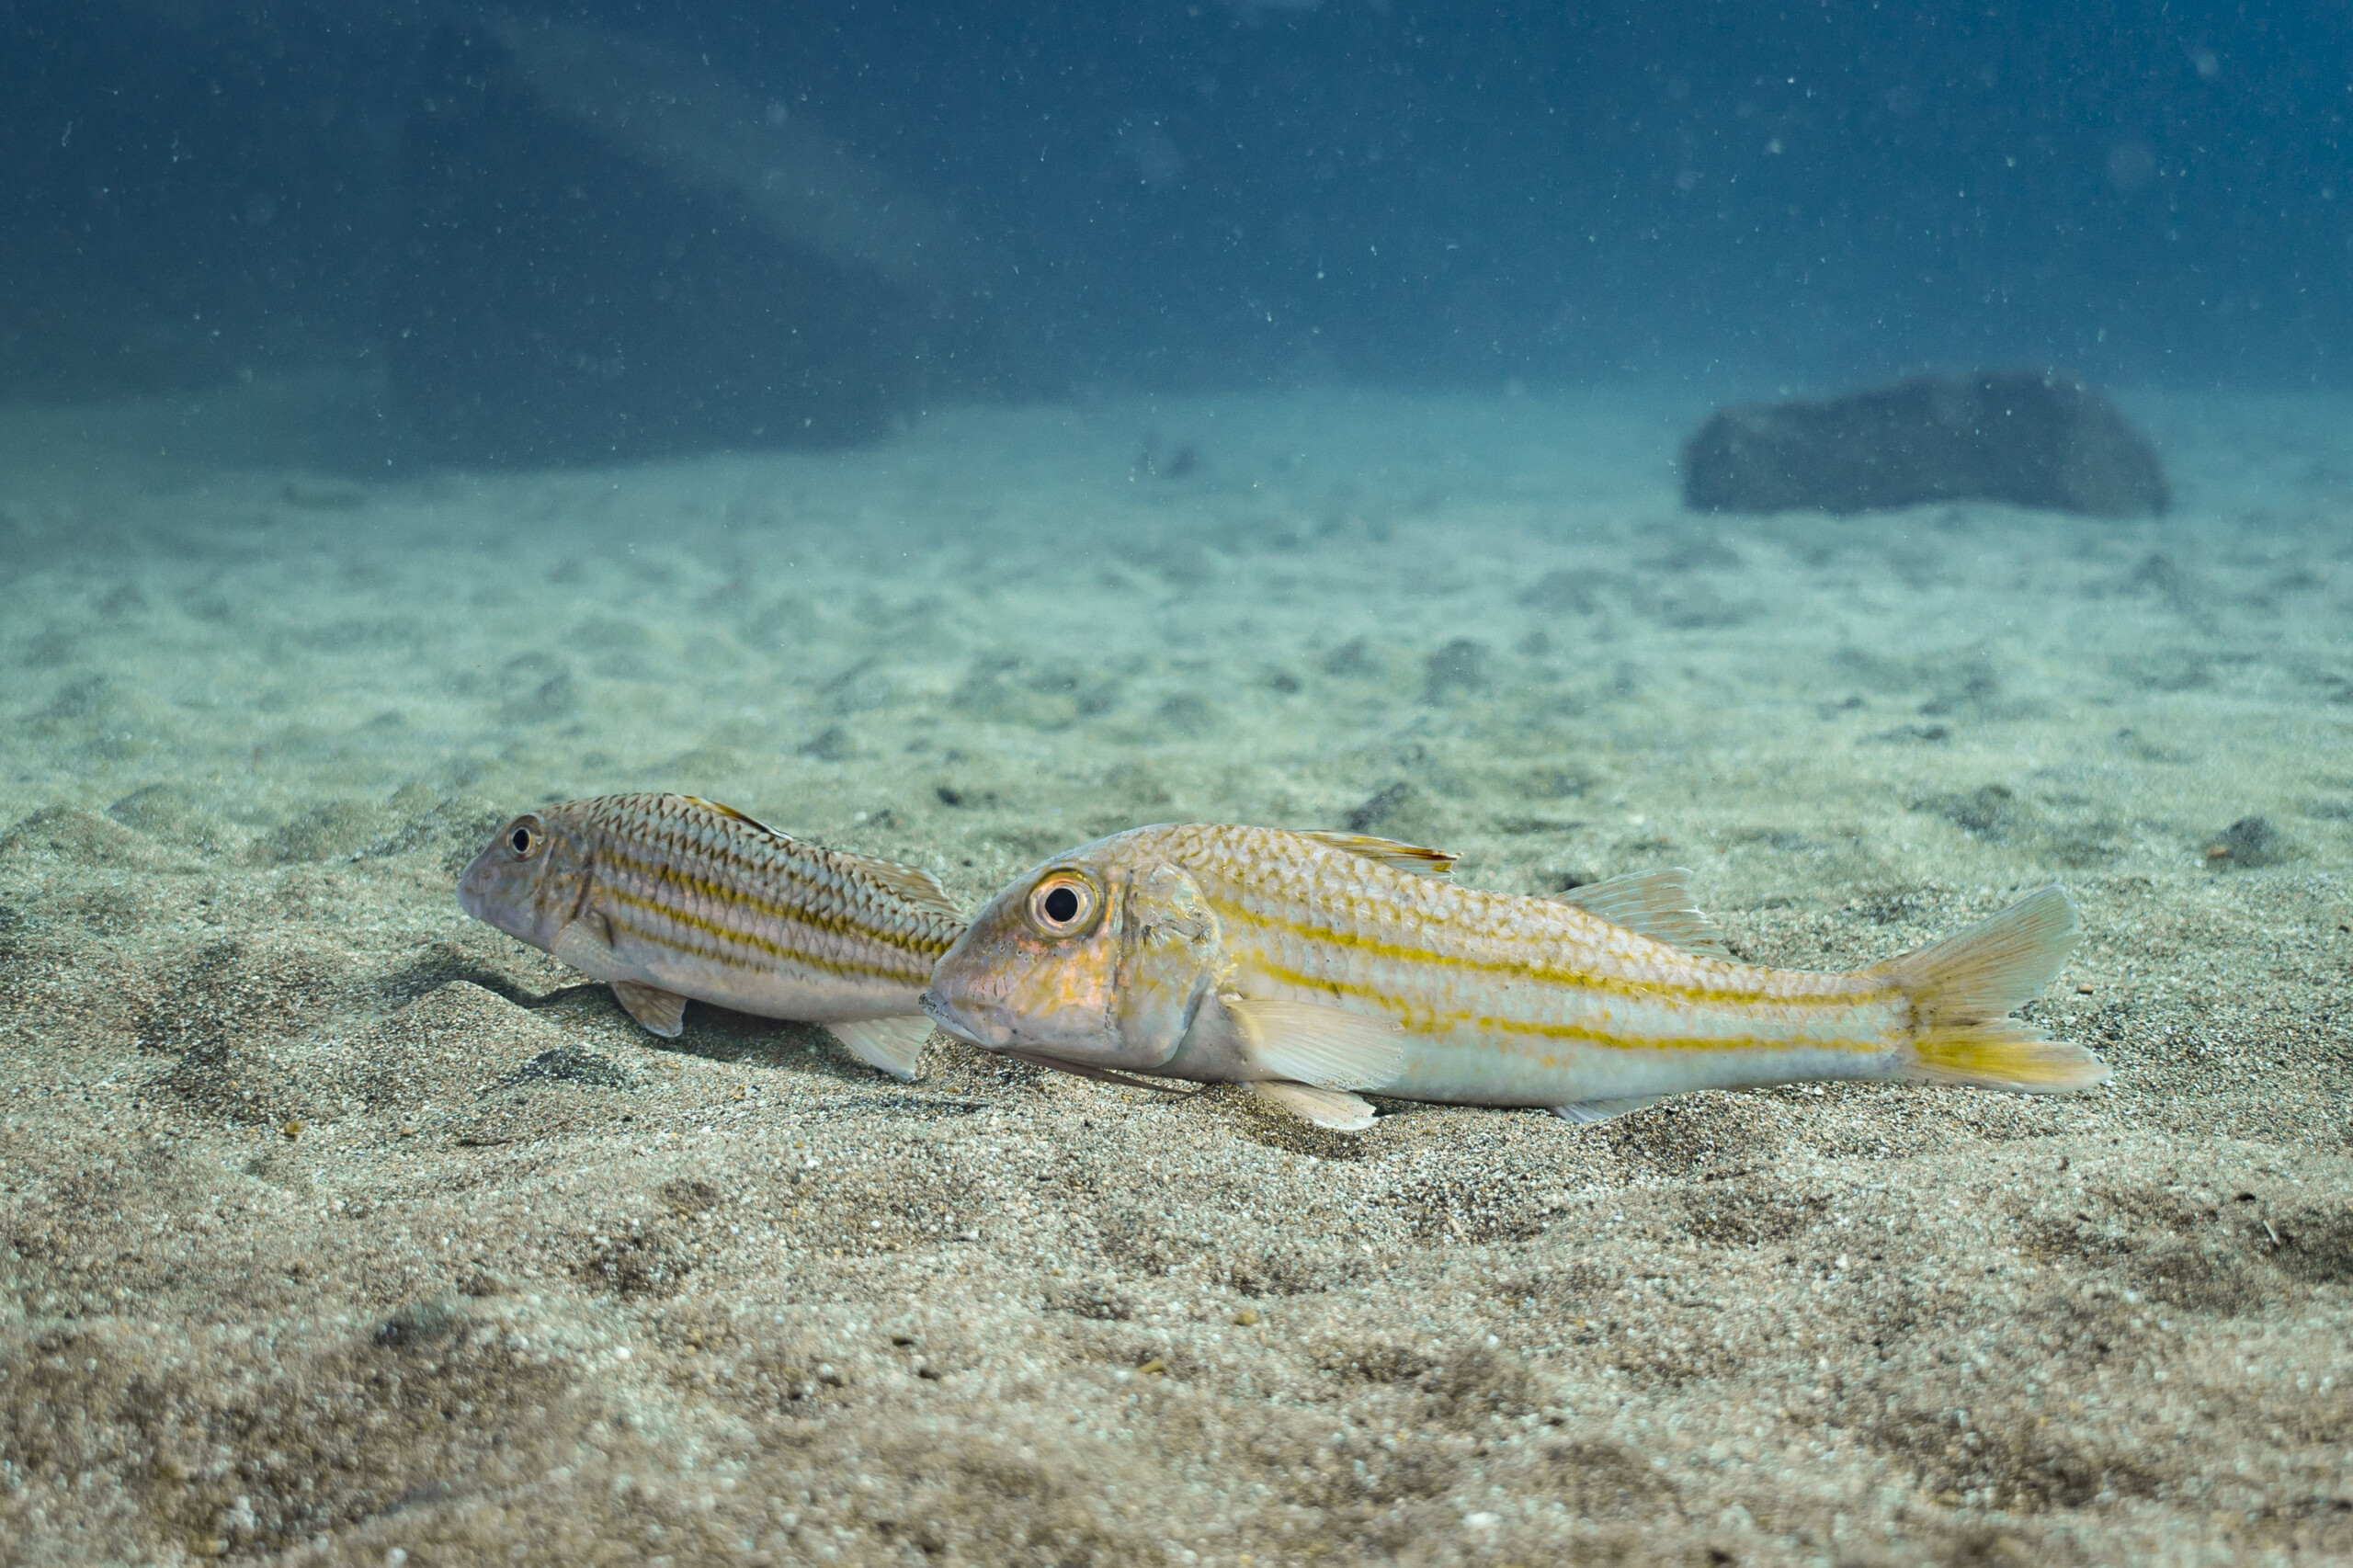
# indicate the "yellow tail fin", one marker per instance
pixel 1963 987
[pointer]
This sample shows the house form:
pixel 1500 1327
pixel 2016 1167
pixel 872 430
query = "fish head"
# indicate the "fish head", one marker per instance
pixel 1088 959
pixel 527 880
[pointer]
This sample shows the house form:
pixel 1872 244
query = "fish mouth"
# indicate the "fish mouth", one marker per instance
pixel 473 891
pixel 469 894
pixel 949 1016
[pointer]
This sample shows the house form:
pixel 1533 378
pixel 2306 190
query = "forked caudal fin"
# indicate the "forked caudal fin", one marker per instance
pixel 1963 987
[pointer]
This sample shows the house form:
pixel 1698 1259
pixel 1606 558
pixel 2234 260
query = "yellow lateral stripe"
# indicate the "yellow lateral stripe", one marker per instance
pixel 1432 1023
pixel 655 939
pixel 1618 1042
pixel 1636 990
pixel 628 852
pixel 719 893
pixel 841 967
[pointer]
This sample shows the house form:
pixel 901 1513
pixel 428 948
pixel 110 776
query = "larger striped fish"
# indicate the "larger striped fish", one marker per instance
pixel 667 897
pixel 1311 965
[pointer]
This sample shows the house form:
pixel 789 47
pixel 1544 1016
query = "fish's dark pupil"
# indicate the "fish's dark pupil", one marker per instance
pixel 522 841
pixel 1061 904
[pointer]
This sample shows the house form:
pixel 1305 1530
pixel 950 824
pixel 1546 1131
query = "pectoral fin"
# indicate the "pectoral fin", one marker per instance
pixel 1658 905
pixel 586 944
pixel 1335 1108
pixel 657 1011
pixel 1313 1042
pixel 895 1045
pixel 1586 1112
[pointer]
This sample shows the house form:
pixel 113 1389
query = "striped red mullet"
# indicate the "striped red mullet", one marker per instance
pixel 670 898
pixel 1312 964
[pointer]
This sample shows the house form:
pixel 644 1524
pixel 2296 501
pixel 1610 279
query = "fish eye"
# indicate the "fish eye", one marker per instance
pixel 1063 904
pixel 526 837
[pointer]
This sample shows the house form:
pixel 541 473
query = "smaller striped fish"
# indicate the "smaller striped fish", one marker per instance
pixel 667 898
pixel 1309 965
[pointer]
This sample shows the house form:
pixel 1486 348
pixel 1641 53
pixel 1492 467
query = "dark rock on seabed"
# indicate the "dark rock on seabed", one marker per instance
pixel 2028 437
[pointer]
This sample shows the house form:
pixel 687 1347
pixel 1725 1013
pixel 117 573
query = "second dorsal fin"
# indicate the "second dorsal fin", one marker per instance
pixel 1658 904
pixel 911 882
pixel 1398 856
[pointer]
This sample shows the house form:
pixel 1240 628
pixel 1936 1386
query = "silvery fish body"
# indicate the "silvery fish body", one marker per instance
pixel 1312 965
pixel 668 897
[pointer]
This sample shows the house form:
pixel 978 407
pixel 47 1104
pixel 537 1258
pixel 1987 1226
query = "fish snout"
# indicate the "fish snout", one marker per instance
pixel 473 886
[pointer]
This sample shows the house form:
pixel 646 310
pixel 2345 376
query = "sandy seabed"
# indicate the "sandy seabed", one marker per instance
pixel 334 1228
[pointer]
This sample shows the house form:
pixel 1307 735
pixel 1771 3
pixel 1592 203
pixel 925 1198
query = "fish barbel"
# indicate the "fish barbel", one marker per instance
pixel 1312 964
pixel 668 897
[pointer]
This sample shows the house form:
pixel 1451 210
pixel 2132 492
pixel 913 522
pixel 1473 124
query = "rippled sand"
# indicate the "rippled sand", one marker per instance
pixel 339 1228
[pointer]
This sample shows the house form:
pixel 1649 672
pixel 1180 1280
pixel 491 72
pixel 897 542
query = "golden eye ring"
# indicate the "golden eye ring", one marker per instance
pixel 1065 904
pixel 525 838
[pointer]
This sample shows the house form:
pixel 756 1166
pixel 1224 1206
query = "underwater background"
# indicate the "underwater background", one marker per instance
pixel 952 433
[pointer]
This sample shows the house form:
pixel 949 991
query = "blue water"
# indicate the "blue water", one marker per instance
pixel 1167 196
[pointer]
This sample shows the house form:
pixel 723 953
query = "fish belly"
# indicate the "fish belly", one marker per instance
pixel 1477 1071
pixel 778 991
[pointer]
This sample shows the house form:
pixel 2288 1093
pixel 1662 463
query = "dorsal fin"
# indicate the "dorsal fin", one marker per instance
pixel 1658 904
pixel 911 882
pixel 746 818
pixel 1390 853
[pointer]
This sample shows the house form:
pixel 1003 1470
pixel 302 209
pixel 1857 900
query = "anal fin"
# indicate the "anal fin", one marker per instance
pixel 1585 1113
pixel 893 1045
pixel 1315 1042
pixel 657 1011
pixel 1335 1108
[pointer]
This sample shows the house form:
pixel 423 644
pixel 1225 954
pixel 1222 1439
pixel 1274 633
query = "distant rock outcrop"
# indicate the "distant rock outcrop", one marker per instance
pixel 2026 437
pixel 606 250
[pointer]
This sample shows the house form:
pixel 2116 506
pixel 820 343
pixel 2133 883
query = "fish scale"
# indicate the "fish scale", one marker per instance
pixel 706 887
pixel 671 897
pixel 1486 984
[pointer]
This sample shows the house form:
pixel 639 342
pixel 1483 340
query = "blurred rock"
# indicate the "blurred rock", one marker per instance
pixel 2029 438
pixel 608 251
pixel 2249 842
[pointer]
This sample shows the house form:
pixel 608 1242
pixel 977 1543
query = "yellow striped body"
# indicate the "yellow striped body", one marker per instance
pixel 1314 964
pixel 697 899
pixel 1511 1000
